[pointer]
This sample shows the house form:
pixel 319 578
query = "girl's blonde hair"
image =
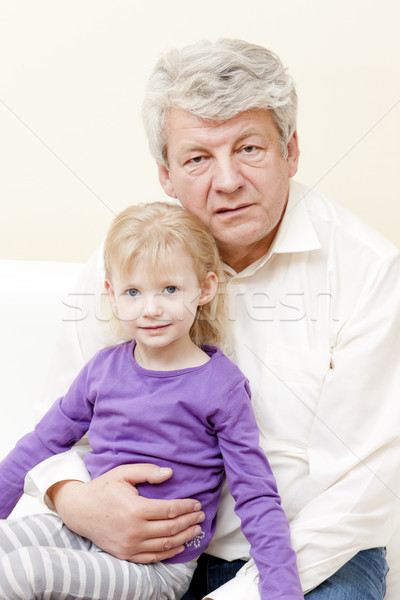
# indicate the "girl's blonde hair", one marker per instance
pixel 145 232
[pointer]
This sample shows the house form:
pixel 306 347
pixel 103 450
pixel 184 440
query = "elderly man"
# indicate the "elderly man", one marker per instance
pixel 314 313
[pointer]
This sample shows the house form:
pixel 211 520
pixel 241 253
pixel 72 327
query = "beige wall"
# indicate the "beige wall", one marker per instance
pixel 72 73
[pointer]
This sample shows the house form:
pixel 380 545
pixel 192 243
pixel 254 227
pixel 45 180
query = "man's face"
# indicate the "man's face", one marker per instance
pixel 232 175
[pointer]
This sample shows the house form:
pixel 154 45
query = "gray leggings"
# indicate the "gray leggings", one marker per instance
pixel 40 558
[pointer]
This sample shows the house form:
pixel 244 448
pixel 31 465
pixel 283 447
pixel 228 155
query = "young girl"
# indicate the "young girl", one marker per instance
pixel 161 397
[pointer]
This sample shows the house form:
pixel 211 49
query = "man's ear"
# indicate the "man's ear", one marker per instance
pixel 293 154
pixel 165 180
pixel 208 288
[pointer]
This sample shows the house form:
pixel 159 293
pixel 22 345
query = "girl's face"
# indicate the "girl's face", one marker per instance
pixel 157 307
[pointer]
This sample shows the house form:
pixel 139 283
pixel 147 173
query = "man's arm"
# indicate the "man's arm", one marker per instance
pixel 107 510
pixel 352 496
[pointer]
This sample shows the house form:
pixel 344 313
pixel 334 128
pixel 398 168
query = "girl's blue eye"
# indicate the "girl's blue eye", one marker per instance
pixel 171 289
pixel 132 292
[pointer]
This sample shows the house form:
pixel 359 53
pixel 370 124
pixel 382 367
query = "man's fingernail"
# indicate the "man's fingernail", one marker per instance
pixel 165 470
pixel 201 518
pixel 197 506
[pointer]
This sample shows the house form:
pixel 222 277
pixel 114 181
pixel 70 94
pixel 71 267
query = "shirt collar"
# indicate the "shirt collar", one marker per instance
pixel 296 232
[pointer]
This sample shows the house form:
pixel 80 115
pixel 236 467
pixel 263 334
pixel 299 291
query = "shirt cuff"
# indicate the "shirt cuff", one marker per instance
pixel 61 467
pixel 244 585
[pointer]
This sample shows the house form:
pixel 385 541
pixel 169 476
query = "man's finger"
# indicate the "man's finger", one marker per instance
pixel 163 548
pixel 179 529
pixel 152 557
pixel 141 472
pixel 156 510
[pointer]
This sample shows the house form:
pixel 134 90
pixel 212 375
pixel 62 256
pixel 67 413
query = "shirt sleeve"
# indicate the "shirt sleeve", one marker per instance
pixel 258 505
pixel 352 498
pixel 70 463
pixel 63 425
pixel 84 331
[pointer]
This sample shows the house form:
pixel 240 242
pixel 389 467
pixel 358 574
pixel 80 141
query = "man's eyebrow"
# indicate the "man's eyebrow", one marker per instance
pixel 249 133
pixel 188 147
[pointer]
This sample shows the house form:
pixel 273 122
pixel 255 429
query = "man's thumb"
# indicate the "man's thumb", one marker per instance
pixel 146 472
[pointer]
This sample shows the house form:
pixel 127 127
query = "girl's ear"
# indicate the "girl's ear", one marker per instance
pixel 208 288
pixel 110 292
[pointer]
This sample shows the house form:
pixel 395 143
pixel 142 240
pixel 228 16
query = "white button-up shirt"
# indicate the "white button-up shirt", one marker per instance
pixel 315 326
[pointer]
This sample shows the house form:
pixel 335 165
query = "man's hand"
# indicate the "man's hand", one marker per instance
pixel 109 511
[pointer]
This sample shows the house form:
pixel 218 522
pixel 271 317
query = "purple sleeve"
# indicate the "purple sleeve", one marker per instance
pixel 63 425
pixel 253 486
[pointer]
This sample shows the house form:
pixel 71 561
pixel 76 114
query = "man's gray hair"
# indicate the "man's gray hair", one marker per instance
pixel 217 81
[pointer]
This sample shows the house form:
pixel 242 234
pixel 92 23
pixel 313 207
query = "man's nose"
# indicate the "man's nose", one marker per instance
pixel 227 176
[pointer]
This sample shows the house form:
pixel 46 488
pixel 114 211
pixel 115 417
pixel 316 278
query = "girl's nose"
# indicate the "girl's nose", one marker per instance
pixel 152 306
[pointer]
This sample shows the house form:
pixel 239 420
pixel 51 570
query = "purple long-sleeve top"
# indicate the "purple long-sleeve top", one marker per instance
pixel 198 421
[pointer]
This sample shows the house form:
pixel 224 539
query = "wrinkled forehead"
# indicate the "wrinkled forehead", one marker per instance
pixel 184 127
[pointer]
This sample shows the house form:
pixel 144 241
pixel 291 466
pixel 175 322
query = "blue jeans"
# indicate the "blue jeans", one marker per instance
pixel 361 578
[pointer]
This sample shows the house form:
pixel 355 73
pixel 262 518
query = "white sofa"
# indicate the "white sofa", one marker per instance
pixel 31 310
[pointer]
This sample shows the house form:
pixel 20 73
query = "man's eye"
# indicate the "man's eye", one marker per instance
pixel 132 292
pixel 249 149
pixel 171 289
pixel 196 159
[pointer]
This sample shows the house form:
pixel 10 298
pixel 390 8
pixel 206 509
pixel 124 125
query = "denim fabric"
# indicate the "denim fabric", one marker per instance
pixel 362 578
pixel 210 574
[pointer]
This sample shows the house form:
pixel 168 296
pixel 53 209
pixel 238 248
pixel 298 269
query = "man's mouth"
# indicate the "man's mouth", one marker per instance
pixel 235 209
